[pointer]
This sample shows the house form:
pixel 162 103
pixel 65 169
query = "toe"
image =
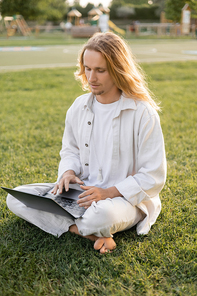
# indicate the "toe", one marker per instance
pixel 104 250
pixel 99 243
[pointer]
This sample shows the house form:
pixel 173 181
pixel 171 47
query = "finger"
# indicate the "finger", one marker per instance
pixel 78 181
pixel 86 187
pixel 54 191
pixel 61 186
pixel 86 204
pixel 66 185
pixel 87 200
pixel 86 193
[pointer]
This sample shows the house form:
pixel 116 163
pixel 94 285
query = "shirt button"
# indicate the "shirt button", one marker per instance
pixel 86 145
pixel 86 164
pixel 89 122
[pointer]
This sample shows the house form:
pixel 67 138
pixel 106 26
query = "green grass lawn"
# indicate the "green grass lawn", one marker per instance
pixel 62 38
pixel 32 113
pixel 42 39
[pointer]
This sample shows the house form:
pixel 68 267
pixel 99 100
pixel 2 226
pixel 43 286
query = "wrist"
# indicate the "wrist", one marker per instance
pixel 69 172
pixel 113 192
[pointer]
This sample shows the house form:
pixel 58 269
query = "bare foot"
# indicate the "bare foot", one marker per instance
pixel 73 228
pixel 105 244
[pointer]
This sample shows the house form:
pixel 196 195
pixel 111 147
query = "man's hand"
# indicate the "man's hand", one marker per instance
pixel 93 193
pixel 67 178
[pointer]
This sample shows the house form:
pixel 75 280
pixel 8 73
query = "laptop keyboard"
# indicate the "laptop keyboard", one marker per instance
pixel 70 205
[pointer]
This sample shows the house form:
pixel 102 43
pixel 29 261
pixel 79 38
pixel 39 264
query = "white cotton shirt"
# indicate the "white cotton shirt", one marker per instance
pixel 138 161
pixel 101 143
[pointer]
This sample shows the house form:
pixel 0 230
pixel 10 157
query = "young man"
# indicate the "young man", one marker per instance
pixel 112 148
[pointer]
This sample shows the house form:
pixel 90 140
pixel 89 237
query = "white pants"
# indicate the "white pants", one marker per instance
pixel 102 219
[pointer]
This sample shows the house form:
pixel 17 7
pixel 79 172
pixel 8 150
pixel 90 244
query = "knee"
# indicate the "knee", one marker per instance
pixel 107 209
pixel 10 200
pixel 101 213
pixel 13 203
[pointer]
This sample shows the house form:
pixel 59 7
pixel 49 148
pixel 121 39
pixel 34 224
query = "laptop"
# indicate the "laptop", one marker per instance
pixel 59 204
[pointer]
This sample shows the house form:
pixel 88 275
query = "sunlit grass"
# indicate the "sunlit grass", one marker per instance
pixel 32 113
pixel 42 39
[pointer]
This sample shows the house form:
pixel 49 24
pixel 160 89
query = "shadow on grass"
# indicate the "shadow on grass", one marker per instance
pixel 17 232
pixel 30 255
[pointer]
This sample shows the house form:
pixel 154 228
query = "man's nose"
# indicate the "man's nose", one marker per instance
pixel 92 76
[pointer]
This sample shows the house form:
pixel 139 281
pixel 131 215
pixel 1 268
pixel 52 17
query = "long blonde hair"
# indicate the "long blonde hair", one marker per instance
pixel 125 72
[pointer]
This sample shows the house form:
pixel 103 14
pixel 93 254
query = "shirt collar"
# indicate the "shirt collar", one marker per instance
pixel 125 103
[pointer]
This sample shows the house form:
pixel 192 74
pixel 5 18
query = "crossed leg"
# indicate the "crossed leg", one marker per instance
pixel 99 222
pixel 105 218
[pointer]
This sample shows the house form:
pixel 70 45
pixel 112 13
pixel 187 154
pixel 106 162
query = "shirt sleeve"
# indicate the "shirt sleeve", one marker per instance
pixel 70 156
pixel 150 163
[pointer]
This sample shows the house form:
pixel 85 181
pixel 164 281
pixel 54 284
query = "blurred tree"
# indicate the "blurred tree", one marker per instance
pixel 135 2
pixel 135 9
pixel 27 8
pixel 52 10
pixel 76 3
pixel 115 4
pixel 161 5
pixel 35 9
pixel 173 8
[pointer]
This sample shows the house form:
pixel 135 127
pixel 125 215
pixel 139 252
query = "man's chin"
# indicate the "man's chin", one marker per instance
pixel 97 93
